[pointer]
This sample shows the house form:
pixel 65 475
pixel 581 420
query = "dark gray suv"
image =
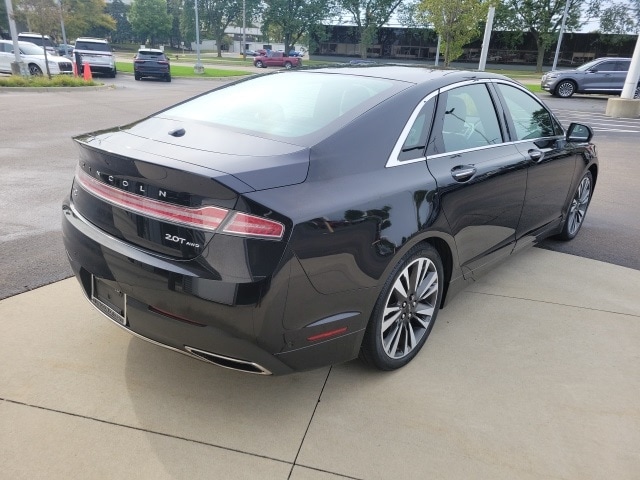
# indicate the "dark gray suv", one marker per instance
pixel 602 75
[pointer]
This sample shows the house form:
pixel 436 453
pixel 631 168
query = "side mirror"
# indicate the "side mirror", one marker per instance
pixel 579 133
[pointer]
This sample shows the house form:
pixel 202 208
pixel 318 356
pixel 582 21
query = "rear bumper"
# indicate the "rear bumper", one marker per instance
pixel 171 303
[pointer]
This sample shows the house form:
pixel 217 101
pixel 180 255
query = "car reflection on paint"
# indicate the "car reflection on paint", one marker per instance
pixel 333 222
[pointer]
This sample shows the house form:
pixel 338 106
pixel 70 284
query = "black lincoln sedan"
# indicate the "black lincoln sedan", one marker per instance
pixel 333 221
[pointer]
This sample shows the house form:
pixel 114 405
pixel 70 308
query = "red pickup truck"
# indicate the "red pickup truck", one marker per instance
pixel 276 59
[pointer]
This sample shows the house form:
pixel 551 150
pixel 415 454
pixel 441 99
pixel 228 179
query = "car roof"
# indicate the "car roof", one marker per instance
pixel 91 39
pixel 32 34
pixel 405 73
pixel 610 58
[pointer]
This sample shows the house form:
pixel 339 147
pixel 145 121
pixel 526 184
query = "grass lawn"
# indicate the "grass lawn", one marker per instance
pixel 187 71
pixel 43 81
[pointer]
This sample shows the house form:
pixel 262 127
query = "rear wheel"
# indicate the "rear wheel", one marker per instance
pixel 34 69
pixel 167 78
pixel 259 64
pixel 565 89
pixel 137 77
pixel 578 208
pixel 637 92
pixel 405 311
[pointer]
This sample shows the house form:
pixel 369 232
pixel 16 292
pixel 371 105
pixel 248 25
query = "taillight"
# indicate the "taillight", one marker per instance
pixel 138 61
pixel 163 62
pixel 252 226
pixel 203 218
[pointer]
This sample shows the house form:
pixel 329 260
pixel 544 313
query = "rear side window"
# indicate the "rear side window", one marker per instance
pixel 36 39
pixel 531 120
pixel 416 140
pixel 606 67
pixel 622 66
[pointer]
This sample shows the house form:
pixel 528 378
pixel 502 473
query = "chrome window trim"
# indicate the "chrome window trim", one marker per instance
pixel 393 160
pixel 466 150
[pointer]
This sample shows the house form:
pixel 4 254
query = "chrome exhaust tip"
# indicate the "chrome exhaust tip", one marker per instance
pixel 228 362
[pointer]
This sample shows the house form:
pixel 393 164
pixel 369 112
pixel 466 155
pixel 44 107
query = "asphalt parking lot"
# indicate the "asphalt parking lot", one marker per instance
pixel 531 373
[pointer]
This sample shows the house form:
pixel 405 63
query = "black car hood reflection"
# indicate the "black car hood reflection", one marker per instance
pixel 261 163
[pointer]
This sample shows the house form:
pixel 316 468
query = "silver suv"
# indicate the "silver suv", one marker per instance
pixel 602 75
pixel 43 41
pixel 97 53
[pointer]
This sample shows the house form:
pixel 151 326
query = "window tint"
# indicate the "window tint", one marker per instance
pixel 622 66
pixel 288 105
pixel 606 67
pixel 95 46
pixel 27 48
pixel 530 118
pixel 416 140
pixel 470 119
pixel 148 54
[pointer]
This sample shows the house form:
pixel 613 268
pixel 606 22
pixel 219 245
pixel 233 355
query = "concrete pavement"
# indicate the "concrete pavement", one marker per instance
pixel 533 372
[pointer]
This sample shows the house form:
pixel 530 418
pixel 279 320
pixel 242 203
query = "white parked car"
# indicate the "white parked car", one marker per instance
pixel 33 56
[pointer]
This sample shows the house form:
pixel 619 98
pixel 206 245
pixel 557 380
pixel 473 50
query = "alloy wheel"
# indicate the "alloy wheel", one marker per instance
pixel 34 69
pixel 579 205
pixel 565 89
pixel 409 308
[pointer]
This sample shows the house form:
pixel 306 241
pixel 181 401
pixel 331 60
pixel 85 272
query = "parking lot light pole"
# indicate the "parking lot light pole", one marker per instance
pixel 198 68
pixel 64 34
pixel 626 106
pixel 486 39
pixel 564 21
pixel 244 28
pixel 18 67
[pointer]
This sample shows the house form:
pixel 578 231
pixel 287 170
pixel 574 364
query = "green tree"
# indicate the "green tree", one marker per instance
pixel 368 16
pixel 150 20
pixel 174 8
pixel 87 18
pixel 294 19
pixel 119 11
pixel 542 19
pixel 4 20
pixel 617 17
pixel 456 21
pixel 217 15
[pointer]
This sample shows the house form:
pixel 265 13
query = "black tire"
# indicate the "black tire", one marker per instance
pixel 137 77
pixel 565 88
pixel 34 70
pixel 577 208
pixel 167 78
pixel 259 64
pixel 288 65
pixel 405 311
pixel 636 94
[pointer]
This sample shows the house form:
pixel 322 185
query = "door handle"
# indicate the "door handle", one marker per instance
pixel 462 173
pixel 535 155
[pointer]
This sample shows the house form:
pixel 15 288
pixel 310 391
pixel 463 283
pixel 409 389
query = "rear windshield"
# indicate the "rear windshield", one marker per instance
pixel 150 55
pixel 95 46
pixel 292 104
